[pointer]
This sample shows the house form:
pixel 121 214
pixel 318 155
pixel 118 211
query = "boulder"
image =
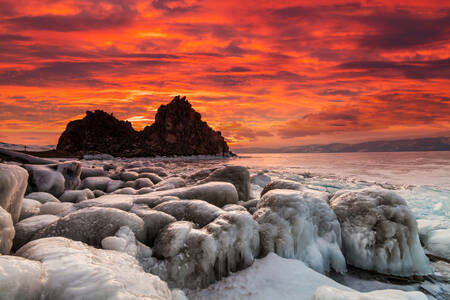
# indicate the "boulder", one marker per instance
pixel 6 231
pixel 96 183
pixel 42 197
pixel 237 175
pixel 59 209
pixel 260 179
pixel 13 183
pixel 129 176
pixel 282 184
pixel 26 229
pixel 379 232
pixel 45 179
pixel 74 270
pixel 76 195
pixel 30 208
pixel 121 202
pixel 92 172
pixel 91 225
pixel 169 184
pixel 300 225
pixel 152 176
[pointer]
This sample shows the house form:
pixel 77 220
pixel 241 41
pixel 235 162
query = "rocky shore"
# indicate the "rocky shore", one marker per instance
pixel 143 229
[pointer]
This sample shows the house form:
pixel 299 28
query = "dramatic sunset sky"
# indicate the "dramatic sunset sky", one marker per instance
pixel 265 73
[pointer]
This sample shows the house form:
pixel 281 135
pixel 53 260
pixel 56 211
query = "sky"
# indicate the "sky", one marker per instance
pixel 264 73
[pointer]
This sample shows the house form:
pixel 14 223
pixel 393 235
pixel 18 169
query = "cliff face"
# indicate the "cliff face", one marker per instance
pixel 178 130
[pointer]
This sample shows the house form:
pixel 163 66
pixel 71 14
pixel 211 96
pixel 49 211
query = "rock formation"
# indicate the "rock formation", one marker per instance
pixel 178 130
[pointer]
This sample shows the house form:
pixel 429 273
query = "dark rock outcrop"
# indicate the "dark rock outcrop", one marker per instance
pixel 178 130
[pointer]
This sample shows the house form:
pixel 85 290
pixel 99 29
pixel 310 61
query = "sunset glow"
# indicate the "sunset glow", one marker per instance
pixel 264 73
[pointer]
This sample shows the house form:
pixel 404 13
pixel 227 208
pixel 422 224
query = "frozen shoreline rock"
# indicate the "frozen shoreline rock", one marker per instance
pixel 42 197
pixel 91 225
pixel 30 208
pixel 435 235
pixel 6 231
pixel 13 183
pixel 26 229
pixel 301 225
pixel 282 184
pixel 379 232
pixel 332 293
pixel 75 196
pixel 74 270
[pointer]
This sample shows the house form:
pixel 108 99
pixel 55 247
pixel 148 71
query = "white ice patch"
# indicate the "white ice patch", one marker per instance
pixel 77 271
pixel 435 235
pixel 379 232
pixel 332 293
pixel 301 225
pixel 269 278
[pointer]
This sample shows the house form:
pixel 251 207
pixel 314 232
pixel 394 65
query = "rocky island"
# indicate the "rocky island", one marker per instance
pixel 178 130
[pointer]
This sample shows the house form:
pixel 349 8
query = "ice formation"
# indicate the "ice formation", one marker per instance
pixel 76 195
pixel 197 257
pixel 260 179
pixel 379 232
pixel 42 197
pixel 13 183
pixel 20 278
pixel 25 229
pixel 301 225
pixel 153 177
pixel 282 184
pixel 6 231
pixel 170 183
pixel 269 278
pixel 92 172
pixel 122 202
pixel 435 235
pixel 332 293
pixel 216 193
pixel 74 270
pixel 59 209
pixel 154 221
pixel 237 175
pixel 91 225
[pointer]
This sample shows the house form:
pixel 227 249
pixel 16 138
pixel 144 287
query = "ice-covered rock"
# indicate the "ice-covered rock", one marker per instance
pixel 122 202
pixel 379 232
pixel 250 205
pixel 13 183
pixel 92 172
pixel 260 179
pixel 198 257
pixel 25 229
pixel 331 293
pixel 216 193
pixel 76 195
pixel 91 225
pixel 196 211
pixel 282 184
pixel 71 171
pixel 154 221
pixel 30 208
pixel 139 183
pixel 42 197
pixel 100 156
pixel 98 193
pixel 125 191
pixel 156 170
pixel 114 185
pixel 74 270
pixel 45 179
pixel 301 225
pixel 435 235
pixel 169 183
pixel 10 155
pixel 96 183
pixel 59 209
pixel 6 231
pixel 129 176
pixel 271 277
pixel 234 207
pixel 237 175
pixel 153 177
pixel 20 278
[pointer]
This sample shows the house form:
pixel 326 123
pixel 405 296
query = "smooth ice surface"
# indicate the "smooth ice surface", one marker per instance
pixel 13 183
pixel 76 271
pixel 379 232
pixel 332 293
pixel 301 225
pixel 269 278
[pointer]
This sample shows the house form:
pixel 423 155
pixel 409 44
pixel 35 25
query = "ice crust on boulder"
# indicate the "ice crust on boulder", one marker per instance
pixel 20 278
pixel 122 202
pixel 198 257
pixel 92 172
pixel 282 184
pixel 29 208
pixel 237 175
pixel 6 231
pixel 435 235
pixel 76 195
pixel 42 197
pixel 154 220
pixel 379 232
pixel 59 209
pixel 169 183
pixel 13 183
pixel 216 193
pixel 260 179
pixel 301 225
pixel 269 278
pixel 91 225
pixel 75 270
pixel 25 229
pixel 332 293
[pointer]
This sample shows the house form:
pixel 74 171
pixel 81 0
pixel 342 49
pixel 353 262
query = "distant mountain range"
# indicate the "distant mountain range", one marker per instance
pixel 422 144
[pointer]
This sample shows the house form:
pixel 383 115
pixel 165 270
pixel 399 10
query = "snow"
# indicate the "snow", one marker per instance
pixel 379 232
pixel 6 231
pixel 332 293
pixel 13 183
pixel 20 278
pixel 74 270
pixel 271 277
pixel 301 225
